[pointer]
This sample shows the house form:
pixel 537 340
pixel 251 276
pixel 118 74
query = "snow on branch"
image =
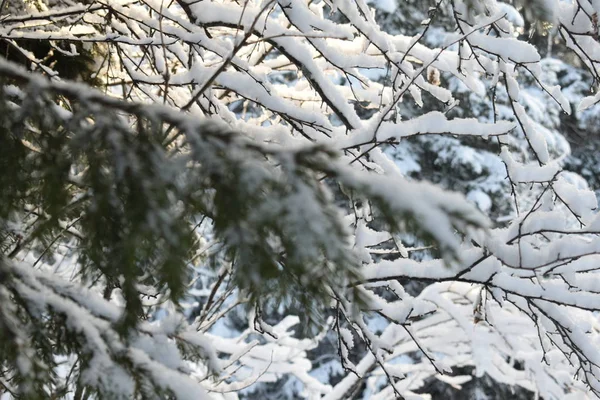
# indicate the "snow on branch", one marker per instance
pixel 201 199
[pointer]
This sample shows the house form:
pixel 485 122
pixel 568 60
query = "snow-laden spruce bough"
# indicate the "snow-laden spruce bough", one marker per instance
pixel 232 164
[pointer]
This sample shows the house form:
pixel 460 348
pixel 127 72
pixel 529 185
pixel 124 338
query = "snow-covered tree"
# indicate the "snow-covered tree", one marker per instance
pixel 198 197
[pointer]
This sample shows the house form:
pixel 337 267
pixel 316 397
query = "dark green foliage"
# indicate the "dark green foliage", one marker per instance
pixel 73 61
pixel 133 202
pixel 21 364
pixel 103 176
pixel 13 169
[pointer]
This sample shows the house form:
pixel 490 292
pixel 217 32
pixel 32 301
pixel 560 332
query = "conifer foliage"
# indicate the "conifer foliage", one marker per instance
pixel 168 167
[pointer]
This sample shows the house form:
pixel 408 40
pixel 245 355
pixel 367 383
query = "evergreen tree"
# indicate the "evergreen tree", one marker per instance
pixel 204 199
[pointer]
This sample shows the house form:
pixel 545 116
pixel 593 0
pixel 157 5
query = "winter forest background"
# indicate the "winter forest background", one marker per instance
pixel 299 199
